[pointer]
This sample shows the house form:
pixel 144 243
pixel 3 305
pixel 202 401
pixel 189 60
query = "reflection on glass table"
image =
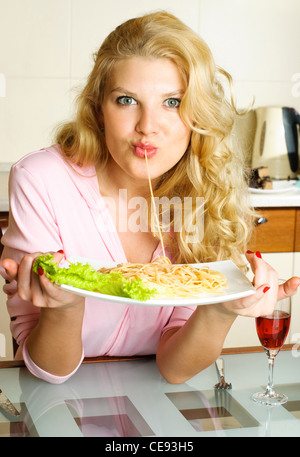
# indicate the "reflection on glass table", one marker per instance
pixel 131 399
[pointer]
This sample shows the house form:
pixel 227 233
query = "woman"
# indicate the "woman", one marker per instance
pixel 153 91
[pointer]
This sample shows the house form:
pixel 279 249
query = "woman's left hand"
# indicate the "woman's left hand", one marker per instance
pixel 267 293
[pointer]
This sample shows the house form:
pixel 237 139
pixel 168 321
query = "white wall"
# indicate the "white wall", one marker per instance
pixel 47 46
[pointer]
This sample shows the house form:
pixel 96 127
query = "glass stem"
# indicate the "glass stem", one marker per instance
pixel 271 356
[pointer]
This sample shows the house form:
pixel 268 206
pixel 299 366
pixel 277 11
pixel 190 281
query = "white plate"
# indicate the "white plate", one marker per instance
pixel 238 286
pixel 278 187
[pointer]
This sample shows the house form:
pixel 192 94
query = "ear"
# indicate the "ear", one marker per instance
pixel 99 114
pixel 100 118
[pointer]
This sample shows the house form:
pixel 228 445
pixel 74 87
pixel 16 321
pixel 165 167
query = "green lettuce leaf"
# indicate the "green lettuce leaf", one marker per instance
pixel 83 276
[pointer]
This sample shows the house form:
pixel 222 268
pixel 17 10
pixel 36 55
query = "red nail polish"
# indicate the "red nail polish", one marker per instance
pixel 266 289
pixel 61 251
pixel 249 252
pixel 258 254
pixel 40 271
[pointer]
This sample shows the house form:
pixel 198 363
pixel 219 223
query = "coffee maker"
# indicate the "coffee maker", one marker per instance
pixel 276 144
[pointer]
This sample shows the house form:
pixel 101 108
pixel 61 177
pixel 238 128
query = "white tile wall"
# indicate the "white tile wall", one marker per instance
pixel 256 41
pixel 46 49
pixel 47 46
pixel 93 20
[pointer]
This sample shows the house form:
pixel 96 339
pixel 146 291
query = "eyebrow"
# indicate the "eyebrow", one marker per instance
pixel 123 91
pixel 120 89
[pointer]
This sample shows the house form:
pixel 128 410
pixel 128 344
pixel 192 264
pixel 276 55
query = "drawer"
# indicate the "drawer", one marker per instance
pixel 278 233
pixel 297 231
pixel 3 219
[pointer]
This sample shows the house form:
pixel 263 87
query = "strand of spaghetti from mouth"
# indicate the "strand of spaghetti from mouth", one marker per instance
pixel 176 280
pixel 153 204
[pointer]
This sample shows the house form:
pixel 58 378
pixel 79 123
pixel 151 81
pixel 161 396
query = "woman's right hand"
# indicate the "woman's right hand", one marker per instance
pixel 38 289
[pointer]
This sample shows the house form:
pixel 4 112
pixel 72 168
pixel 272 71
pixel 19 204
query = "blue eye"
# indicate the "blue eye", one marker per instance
pixel 125 100
pixel 172 102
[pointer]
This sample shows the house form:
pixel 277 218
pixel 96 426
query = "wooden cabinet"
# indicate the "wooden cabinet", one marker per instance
pixel 3 219
pixel 281 232
pixel 297 232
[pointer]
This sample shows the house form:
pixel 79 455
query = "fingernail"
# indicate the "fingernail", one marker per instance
pixel 61 251
pixel 266 289
pixel 258 254
pixel 40 271
pixel 249 252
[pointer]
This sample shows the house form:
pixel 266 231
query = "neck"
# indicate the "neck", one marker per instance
pixel 112 184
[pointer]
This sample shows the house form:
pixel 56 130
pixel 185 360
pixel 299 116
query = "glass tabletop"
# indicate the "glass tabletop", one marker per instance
pixel 131 399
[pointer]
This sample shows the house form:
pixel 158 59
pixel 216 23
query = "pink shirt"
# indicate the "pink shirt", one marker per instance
pixel 55 205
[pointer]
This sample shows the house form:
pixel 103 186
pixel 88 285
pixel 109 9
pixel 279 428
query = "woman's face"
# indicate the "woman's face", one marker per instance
pixel 140 112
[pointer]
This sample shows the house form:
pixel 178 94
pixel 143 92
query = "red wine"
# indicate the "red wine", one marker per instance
pixel 272 330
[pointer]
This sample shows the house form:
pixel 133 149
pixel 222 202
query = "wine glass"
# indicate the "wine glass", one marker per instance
pixel 272 331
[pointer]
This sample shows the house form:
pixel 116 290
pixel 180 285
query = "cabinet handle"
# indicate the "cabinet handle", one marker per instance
pixel 260 220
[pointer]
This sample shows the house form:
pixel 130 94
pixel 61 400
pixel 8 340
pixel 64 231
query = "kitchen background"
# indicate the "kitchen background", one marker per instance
pixel 46 54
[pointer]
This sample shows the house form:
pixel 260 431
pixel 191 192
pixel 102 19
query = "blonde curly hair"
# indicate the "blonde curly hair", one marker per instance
pixel 209 168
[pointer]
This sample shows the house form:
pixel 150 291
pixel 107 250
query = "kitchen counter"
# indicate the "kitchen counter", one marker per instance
pixel 131 399
pixel 258 201
pixel 4 175
pixel 285 199
pixel 4 205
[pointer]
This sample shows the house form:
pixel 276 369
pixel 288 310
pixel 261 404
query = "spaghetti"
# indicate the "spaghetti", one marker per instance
pixel 172 279
pixel 153 205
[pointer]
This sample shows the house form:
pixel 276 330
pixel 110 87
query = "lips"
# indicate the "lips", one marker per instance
pixel 140 149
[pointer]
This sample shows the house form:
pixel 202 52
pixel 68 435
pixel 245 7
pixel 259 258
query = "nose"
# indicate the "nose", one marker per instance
pixel 147 122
